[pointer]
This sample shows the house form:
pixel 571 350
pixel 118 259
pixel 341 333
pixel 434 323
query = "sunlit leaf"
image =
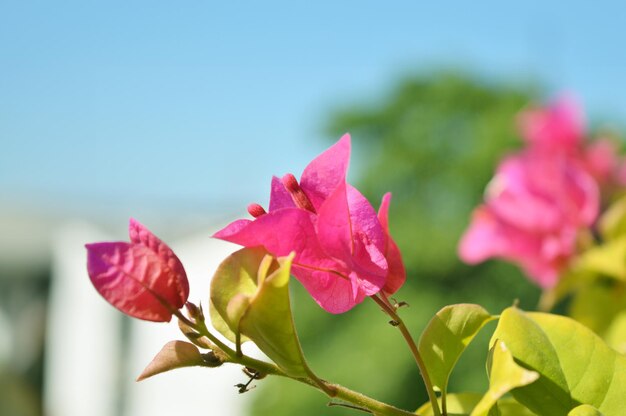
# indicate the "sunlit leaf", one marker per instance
pixel 595 304
pixel 616 333
pixel 174 354
pixel 447 335
pixel 237 275
pixel 509 407
pixel 608 259
pixel 504 376
pixel 612 223
pixel 268 321
pixel 248 303
pixel 461 404
pixel 575 366
pixel 458 404
pixel 585 410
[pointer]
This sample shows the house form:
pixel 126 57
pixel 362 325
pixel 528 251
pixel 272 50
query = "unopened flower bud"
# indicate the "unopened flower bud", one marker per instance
pixel 256 210
pixel 210 359
pixel 297 193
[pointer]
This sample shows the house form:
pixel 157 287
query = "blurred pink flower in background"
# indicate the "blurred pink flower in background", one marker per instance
pixel 560 129
pixel 543 196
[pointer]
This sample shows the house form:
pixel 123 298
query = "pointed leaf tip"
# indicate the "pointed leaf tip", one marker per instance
pixel 250 299
pixel 174 354
pixel 447 335
pixel 504 375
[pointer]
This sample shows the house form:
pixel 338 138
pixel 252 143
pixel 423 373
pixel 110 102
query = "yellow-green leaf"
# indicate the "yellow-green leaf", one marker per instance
pixel 616 333
pixel 575 366
pixel 268 321
pixel 595 304
pixel 612 224
pixel 608 259
pixel 236 275
pixel 509 407
pixel 457 404
pixel 504 376
pixel 446 336
pixel 249 304
pixel 461 404
pixel 585 410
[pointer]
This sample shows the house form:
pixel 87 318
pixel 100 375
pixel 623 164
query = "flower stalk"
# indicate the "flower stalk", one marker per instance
pixel 383 302
pixel 331 390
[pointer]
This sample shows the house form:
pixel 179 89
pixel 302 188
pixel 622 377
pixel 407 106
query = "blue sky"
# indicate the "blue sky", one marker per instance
pixel 193 105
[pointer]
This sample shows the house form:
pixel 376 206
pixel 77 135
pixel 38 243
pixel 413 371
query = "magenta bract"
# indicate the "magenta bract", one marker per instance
pixel 143 278
pixel 343 249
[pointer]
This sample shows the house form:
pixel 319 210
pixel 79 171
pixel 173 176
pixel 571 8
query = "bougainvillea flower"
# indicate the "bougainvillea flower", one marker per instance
pixel 343 248
pixel 559 129
pixel 143 278
pixel 556 127
pixel 534 208
pixel 397 272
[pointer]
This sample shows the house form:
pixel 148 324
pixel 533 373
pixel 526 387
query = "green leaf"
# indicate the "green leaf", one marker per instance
pixel 174 354
pixel 595 304
pixel 509 407
pixel 247 304
pixel 612 224
pixel 446 336
pixel 461 404
pixel 458 404
pixel 616 333
pixel 504 376
pixel 575 366
pixel 237 275
pixel 585 410
pixel 268 321
pixel 608 259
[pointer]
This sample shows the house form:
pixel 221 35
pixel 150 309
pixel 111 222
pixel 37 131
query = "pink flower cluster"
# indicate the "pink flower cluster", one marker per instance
pixel 343 250
pixel 543 196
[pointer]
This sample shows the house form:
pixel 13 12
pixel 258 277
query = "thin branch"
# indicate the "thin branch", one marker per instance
pixel 396 321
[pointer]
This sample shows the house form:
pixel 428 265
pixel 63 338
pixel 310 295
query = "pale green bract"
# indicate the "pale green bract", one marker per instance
pixel 250 300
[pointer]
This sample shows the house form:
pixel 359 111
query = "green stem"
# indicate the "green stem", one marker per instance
pixel 331 390
pixel 202 329
pixel 444 403
pixel 383 302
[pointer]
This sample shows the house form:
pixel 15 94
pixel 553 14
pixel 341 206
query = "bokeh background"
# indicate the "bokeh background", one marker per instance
pixel 178 113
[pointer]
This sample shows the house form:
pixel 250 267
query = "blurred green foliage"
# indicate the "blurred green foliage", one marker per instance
pixel 434 142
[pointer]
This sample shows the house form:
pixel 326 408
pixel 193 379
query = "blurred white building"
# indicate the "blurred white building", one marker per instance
pixel 91 353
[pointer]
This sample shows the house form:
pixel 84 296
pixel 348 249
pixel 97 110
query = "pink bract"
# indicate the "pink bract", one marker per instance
pixel 143 278
pixel 344 252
